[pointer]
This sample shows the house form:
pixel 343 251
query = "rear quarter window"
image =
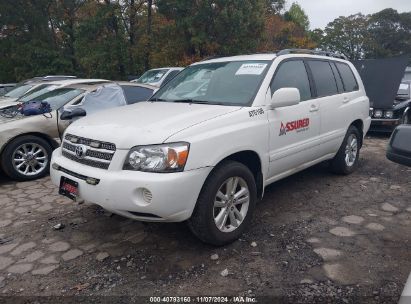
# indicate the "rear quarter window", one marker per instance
pixel 348 78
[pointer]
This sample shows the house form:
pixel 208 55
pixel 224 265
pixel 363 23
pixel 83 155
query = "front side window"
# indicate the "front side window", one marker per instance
pixel 59 97
pixel 323 77
pixel 292 74
pixel 224 83
pixel 350 83
pixel 152 76
pixel 19 90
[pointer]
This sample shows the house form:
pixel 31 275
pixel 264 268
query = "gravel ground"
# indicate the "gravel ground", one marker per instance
pixel 315 237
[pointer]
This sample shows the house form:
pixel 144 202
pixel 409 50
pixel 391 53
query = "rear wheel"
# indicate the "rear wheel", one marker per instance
pixel 346 160
pixel 26 158
pixel 225 205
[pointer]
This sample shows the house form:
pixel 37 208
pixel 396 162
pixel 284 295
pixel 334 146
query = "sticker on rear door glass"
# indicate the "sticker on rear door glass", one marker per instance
pixel 251 69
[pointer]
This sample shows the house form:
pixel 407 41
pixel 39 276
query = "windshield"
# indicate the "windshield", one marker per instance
pixel 19 90
pixel 38 91
pixel 226 83
pixel 59 97
pixel 152 76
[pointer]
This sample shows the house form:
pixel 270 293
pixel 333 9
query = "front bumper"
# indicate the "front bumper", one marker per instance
pixel 384 124
pixel 157 197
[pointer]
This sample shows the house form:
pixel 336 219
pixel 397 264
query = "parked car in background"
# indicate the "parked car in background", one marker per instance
pixel 27 85
pixel 158 77
pixel 26 142
pixel 389 97
pixel 6 87
pixel 399 148
pixel 206 155
pixel 386 120
pixel 39 88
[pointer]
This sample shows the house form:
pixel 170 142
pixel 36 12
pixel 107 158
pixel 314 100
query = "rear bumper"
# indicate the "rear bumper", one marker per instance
pixel 157 197
pixel 384 125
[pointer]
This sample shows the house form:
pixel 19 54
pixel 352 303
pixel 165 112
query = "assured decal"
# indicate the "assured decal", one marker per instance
pixel 296 125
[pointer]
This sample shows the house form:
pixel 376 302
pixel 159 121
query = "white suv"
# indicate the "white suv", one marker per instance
pixel 203 149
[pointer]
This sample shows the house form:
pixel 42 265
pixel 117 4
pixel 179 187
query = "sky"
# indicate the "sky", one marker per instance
pixel 321 12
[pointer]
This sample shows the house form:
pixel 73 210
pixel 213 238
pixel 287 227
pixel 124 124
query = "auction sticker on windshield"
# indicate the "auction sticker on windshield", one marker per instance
pixel 251 69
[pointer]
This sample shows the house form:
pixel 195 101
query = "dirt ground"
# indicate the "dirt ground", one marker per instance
pixel 315 237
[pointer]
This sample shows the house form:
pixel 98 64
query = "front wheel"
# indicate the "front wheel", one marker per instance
pixel 346 160
pixel 26 158
pixel 225 205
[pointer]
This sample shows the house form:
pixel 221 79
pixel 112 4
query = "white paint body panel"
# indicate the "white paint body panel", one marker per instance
pixel 214 132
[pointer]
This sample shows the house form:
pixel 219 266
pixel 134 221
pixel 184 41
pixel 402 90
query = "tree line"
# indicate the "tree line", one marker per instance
pixel 113 39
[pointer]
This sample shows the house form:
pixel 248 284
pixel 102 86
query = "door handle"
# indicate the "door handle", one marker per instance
pixel 314 108
pixel 346 99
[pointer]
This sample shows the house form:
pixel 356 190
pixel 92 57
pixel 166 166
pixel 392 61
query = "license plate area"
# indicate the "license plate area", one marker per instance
pixel 68 188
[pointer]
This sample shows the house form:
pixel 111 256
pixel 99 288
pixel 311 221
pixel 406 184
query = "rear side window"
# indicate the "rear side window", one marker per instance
pixel 135 94
pixel 350 83
pixel 292 74
pixel 323 77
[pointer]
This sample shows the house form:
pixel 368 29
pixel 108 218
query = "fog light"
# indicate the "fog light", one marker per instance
pixel 147 195
pixel 92 181
pixel 55 166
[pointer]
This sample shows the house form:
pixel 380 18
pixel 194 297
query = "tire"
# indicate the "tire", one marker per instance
pixel 346 160
pixel 38 152
pixel 203 221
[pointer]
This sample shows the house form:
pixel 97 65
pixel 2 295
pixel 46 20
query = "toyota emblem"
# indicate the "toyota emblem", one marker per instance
pixel 81 151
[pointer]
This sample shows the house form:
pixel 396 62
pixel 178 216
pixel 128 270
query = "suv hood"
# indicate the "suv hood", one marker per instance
pixel 145 123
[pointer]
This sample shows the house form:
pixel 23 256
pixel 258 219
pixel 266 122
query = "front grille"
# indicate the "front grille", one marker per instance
pixel 94 153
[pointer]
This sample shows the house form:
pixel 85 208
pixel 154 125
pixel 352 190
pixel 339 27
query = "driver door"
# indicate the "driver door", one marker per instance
pixel 294 130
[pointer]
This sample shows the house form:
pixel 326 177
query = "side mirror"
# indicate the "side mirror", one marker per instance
pixel 399 148
pixel 285 97
pixel 70 114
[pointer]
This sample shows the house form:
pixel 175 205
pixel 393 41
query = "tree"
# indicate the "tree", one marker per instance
pixel 297 15
pixel 390 33
pixel 347 35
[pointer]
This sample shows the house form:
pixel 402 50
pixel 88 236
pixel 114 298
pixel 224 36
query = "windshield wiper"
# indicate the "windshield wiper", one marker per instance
pixel 157 99
pixel 195 101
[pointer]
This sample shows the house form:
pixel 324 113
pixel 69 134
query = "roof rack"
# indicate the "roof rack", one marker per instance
pixel 311 52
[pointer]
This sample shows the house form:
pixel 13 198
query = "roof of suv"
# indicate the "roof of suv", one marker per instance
pixel 272 56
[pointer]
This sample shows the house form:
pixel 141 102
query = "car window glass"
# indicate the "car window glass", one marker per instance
pixel 170 76
pixel 337 77
pixel 323 78
pixel 292 74
pixel 135 94
pixel 225 83
pixel 152 76
pixel 19 91
pixel 350 83
pixel 59 97
pixel 38 91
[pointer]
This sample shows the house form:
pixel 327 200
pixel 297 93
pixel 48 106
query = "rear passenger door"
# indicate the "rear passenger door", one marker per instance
pixel 333 101
pixel 294 130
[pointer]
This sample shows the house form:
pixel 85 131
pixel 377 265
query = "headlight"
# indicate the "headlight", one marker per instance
pixel 377 113
pixel 158 158
pixel 388 114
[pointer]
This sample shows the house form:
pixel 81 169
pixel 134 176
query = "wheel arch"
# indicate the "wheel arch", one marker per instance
pixel 252 161
pixel 54 144
pixel 359 124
